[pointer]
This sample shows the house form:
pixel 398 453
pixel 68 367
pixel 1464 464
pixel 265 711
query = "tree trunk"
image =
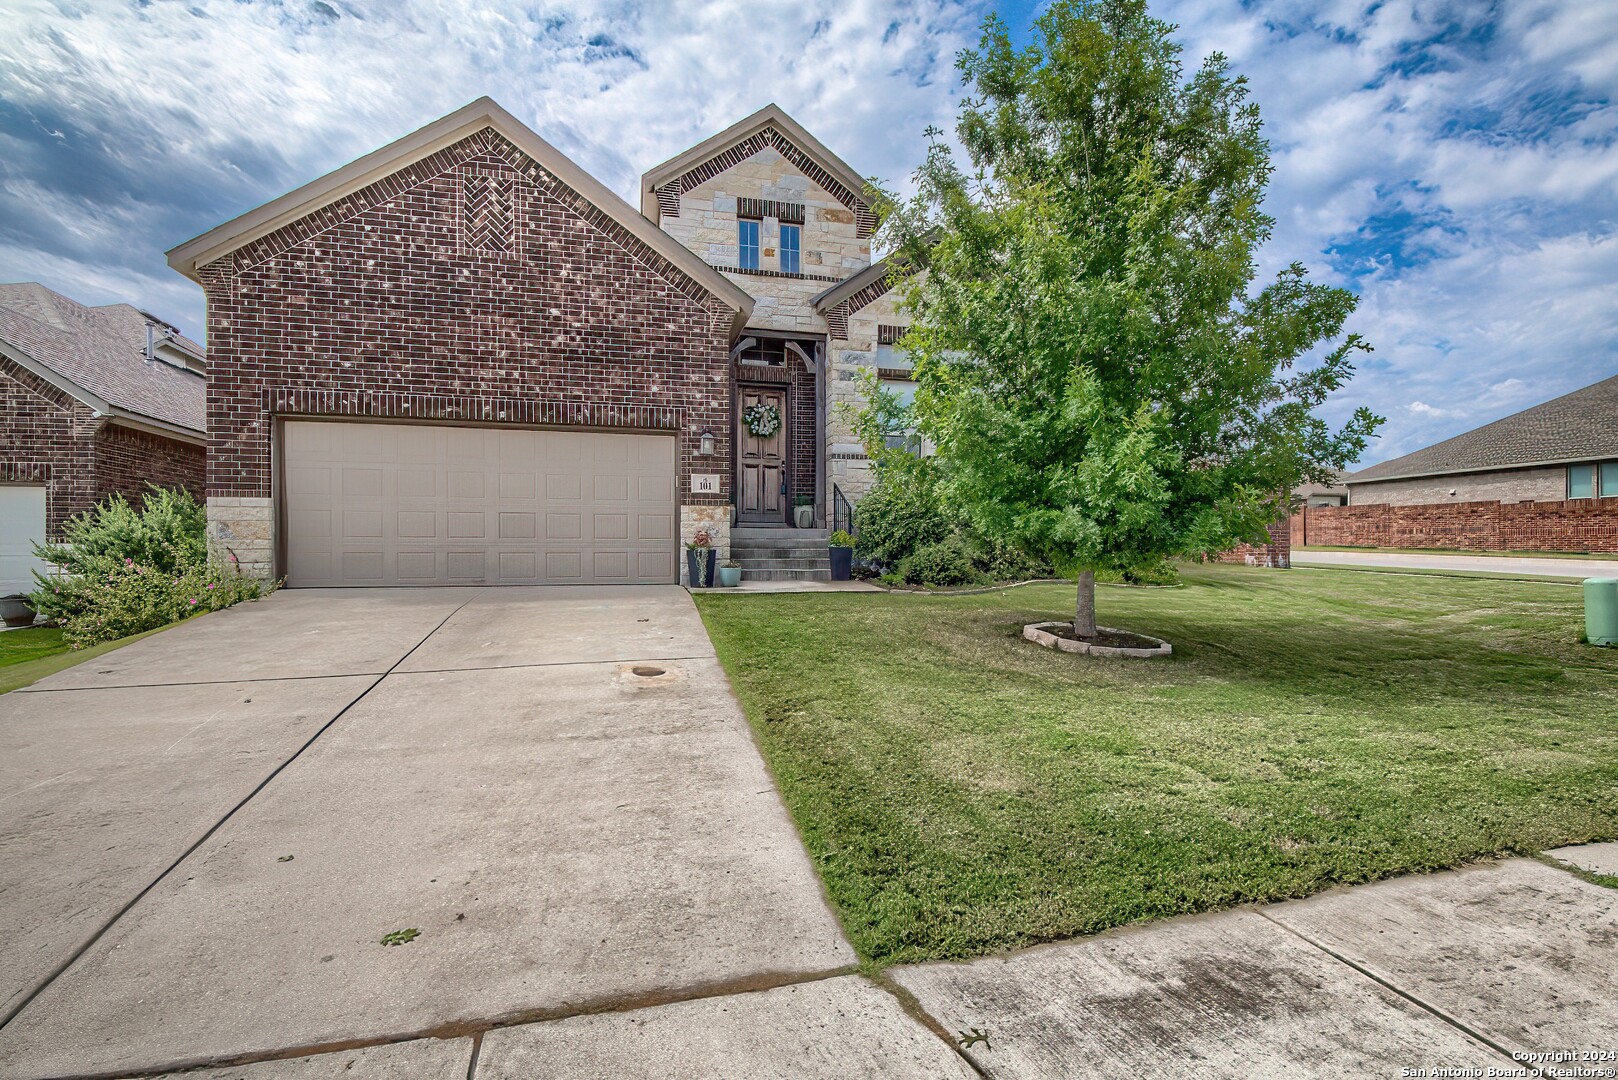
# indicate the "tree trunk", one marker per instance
pixel 1084 618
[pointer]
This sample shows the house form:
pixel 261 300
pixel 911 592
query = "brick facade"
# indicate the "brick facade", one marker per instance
pixel 1276 553
pixel 471 286
pixel 1560 525
pixel 49 437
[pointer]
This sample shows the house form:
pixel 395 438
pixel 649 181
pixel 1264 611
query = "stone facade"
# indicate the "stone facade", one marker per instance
pixel 49 437
pixel 241 531
pixel 1505 485
pixel 851 357
pixel 715 520
pixel 1571 525
pixel 831 247
pixel 471 285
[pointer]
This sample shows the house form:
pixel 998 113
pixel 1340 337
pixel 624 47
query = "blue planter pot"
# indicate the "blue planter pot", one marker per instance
pixel 730 576
pixel 842 563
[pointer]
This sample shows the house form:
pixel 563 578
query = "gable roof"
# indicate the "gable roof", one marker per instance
pixel 878 273
pixel 98 355
pixel 1581 426
pixel 838 173
pixel 483 113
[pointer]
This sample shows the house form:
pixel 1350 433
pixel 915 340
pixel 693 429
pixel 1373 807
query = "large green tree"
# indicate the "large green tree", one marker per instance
pixel 1103 383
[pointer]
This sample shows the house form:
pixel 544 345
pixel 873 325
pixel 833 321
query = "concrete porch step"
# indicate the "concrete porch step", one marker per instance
pixel 776 532
pixel 806 551
pixel 821 563
pixel 752 574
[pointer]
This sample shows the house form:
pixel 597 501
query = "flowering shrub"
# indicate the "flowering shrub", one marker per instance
pixel 122 571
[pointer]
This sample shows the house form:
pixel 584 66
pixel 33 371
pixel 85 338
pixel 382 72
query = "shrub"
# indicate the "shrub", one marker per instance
pixel 944 563
pixel 122 571
pixel 1000 561
pixel 900 515
pixel 840 539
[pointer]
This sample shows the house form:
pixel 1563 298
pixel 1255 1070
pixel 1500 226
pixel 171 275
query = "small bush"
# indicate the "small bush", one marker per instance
pixel 944 563
pixel 840 539
pixel 899 516
pixel 1001 562
pixel 133 598
pixel 122 571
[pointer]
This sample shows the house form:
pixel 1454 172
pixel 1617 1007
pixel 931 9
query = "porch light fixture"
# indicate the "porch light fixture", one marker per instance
pixel 707 443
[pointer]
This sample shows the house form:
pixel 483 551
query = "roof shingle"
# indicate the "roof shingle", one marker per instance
pixel 1581 426
pixel 102 351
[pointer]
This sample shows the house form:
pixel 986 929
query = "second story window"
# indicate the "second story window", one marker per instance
pixel 790 237
pixel 747 244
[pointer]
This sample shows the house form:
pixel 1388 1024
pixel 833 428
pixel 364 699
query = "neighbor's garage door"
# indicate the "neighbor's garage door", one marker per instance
pixel 407 504
pixel 22 525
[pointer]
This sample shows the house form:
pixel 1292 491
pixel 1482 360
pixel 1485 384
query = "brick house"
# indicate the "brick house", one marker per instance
pixel 93 401
pixel 1566 448
pixel 1543 479
pixel 462 359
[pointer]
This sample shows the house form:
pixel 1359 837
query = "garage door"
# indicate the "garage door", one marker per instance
pixel 22 525
pixel 407 504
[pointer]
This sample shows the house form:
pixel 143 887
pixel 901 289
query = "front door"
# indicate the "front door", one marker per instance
pixel 763 458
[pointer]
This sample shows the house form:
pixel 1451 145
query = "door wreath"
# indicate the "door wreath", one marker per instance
pixel 762 420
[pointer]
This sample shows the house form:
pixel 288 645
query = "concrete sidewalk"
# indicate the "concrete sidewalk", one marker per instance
pixel 1508 565
pixel 1478 968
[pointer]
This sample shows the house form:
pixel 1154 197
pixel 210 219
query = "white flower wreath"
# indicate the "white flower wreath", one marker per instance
pixel 762 420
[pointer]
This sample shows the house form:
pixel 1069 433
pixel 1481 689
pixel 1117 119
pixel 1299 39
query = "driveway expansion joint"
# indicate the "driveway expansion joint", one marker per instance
pixel 475 1029
pixel 56 972
pixel 1454 1022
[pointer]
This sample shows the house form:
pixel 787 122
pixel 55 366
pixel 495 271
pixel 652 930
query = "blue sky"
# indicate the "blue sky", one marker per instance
pixel 1456 164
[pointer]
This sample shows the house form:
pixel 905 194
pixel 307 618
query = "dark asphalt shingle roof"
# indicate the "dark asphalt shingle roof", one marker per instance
pixel 1580 426
pixel 102 350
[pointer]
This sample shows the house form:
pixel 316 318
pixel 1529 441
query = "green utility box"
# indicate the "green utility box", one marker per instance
pixel 1601 610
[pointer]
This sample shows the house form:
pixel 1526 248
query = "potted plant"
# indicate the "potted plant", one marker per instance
pixel 803 512
pixel 15 610
pixel 699 560
pixel 842 555
pixel 730 574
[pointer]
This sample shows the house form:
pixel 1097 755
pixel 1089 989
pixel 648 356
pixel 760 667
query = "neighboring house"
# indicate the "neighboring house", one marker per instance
pixel 93 401
pixel 1544 479
pixel 1563 449
pixel 462 359
pixel 1320 495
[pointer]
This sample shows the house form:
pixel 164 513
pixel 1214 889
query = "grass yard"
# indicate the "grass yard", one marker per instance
pixel 34 643
pixel 26 656
pixel 962 791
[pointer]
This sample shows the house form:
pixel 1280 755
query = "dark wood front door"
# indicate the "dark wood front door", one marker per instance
pixel 762 461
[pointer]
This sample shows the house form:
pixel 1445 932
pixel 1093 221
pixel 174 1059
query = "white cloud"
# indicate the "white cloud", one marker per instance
pixel 1460 173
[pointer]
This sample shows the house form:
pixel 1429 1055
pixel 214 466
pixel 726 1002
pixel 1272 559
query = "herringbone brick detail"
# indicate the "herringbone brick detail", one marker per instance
pixel 487 216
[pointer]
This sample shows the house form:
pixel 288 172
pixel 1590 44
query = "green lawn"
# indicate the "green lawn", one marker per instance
pixel 35 643
pixel 962 791
pixel 26 656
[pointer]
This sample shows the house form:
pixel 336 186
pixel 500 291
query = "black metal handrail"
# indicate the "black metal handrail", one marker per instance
pixel 842 511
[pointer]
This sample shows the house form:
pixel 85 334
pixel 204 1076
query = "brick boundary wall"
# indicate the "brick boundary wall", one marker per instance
pixel 1570 525
pixel 1277 553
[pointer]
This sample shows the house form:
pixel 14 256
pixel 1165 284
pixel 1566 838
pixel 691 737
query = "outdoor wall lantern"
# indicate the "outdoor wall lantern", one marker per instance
pixel 707 443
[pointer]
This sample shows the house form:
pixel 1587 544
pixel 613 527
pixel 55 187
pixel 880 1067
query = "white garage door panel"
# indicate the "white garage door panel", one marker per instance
pixel 403 504
pixel 22 525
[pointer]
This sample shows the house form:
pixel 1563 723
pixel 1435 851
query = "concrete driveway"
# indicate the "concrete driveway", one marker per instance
pixel 206 835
